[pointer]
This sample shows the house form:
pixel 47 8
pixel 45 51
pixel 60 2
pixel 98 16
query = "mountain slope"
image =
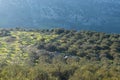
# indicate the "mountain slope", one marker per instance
pixel 58 54
pixel 82 14
pixel 21 46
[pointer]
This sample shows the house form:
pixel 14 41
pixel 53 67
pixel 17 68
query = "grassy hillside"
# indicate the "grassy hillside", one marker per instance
pixel 58 54
pixel 14 43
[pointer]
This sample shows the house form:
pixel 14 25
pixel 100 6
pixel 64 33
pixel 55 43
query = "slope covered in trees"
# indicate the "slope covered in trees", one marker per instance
pixel 58 54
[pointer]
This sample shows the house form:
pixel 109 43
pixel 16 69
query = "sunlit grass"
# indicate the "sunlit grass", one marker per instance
pixel 22 39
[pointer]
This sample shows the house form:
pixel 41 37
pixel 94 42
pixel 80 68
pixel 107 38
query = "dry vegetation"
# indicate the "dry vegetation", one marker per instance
pixel 58 54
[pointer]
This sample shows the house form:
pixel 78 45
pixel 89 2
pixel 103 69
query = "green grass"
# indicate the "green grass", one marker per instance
pixel 13 50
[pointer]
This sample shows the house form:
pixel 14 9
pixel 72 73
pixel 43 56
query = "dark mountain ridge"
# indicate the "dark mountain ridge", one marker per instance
pixel 96 15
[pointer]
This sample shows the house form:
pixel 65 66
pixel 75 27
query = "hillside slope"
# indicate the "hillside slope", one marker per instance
pixel 100 15
pixel 58 54
pixel 17 45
